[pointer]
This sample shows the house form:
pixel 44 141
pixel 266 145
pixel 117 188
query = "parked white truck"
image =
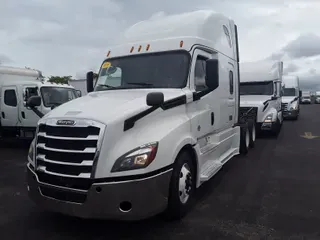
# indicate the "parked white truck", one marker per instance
pixel 260 91
pixel 317 97
pixel 291 97
pixel 306 97
pixel 162 119
pixel 18 84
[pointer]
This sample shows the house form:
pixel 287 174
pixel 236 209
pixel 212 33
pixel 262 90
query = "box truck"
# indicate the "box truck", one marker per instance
pixel 16 85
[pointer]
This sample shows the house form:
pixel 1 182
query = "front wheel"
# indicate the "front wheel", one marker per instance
pixel 182 187
pixel 252 131
pixel 244 139
pixel 277 128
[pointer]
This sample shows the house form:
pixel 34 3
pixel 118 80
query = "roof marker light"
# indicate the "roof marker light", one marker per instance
pixel 131 49
pixel 181 43
pixel 148 46
pixel 108 53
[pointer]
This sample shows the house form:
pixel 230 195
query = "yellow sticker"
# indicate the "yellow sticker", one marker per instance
pixel 106 65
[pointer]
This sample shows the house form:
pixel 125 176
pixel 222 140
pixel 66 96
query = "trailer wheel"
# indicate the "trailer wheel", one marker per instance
pixel 182 187
pixel 244 139
pixel 252 131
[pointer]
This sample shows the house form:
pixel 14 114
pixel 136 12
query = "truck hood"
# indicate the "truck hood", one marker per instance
pixel 288 99
pixel 110 105
pixel 253 100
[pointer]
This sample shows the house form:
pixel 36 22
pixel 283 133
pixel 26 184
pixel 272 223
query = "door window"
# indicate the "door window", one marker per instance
pixel 10 98
pixel 200 74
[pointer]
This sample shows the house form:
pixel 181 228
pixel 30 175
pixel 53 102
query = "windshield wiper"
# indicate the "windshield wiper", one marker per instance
pixel 106 85
pixel 140 83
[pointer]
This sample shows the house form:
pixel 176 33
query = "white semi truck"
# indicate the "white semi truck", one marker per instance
pixel 306 97
pixel 260 91
pixel 162 119
pixel 16 86
pixel 291 97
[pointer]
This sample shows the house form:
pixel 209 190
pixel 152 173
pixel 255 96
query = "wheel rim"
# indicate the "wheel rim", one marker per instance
pixel 185 183
pixel 247 138
pixel 253 133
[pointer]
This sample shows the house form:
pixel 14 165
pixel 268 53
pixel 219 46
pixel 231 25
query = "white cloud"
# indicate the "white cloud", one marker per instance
pixel 65 37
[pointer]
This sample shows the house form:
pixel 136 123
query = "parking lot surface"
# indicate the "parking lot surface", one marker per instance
pixel 272 193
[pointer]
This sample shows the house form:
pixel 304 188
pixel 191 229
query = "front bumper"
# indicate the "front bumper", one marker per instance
pixel 267 126
pixel 291 114
pixel 148 197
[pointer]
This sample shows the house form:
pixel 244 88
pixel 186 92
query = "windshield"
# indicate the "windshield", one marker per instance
pixel 289 92
pixel 256 88
pixel 162 70
pixel 55 96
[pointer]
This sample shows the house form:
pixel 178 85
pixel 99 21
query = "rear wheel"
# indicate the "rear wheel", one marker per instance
pixel 244 139
pixel 182 187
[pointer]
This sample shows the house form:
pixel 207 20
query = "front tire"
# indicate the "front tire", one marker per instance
pixel 182 187
pixel 277 129
pixel 244 139
pixel 252 131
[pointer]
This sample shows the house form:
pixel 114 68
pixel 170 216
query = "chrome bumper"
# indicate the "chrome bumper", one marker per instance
pixel 147 197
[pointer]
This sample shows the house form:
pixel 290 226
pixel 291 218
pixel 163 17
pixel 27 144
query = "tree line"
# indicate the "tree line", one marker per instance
pixel 64 79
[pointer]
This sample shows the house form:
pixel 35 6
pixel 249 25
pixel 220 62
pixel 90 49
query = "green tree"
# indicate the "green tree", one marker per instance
pixel 58 79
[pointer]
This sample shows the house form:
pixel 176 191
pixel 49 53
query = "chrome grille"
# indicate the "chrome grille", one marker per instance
pixel 284 106
pixel 65 155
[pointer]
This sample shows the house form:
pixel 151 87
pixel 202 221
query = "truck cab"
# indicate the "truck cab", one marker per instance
pixel 260 94
pixel 291 97
pixel 161 120
pixel 17 119
pixel 306 97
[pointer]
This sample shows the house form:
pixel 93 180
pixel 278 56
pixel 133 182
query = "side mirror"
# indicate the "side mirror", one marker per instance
pixel 212 74
pixel 274 98
pixel 155 99
pixel 300 93
pixel 89 81
pixel 34 101
pixel 79 93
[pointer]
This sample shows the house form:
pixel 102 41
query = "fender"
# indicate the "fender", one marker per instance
pixel 187 140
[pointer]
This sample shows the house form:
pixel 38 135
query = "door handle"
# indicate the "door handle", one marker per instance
pixel 23 115
pixel 3 115
pixel 212 118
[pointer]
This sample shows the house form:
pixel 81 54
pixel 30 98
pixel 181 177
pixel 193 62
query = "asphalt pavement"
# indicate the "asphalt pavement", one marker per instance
pixel 272 193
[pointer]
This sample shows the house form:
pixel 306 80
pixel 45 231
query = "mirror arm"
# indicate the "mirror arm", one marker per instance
pixel 36 111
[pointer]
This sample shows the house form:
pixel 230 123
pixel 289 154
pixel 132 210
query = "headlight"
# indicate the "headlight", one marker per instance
pixel 294 106
pixel 138 158
pixel 268 118
pixel 31 153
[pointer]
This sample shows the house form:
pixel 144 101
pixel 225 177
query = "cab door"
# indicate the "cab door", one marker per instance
pixel 9 106
pixel 27 116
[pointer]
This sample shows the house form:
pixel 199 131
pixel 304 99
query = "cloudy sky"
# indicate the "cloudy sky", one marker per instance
pixel 64 37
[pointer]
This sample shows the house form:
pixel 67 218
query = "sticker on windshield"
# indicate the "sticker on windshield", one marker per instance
pixel 106 65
